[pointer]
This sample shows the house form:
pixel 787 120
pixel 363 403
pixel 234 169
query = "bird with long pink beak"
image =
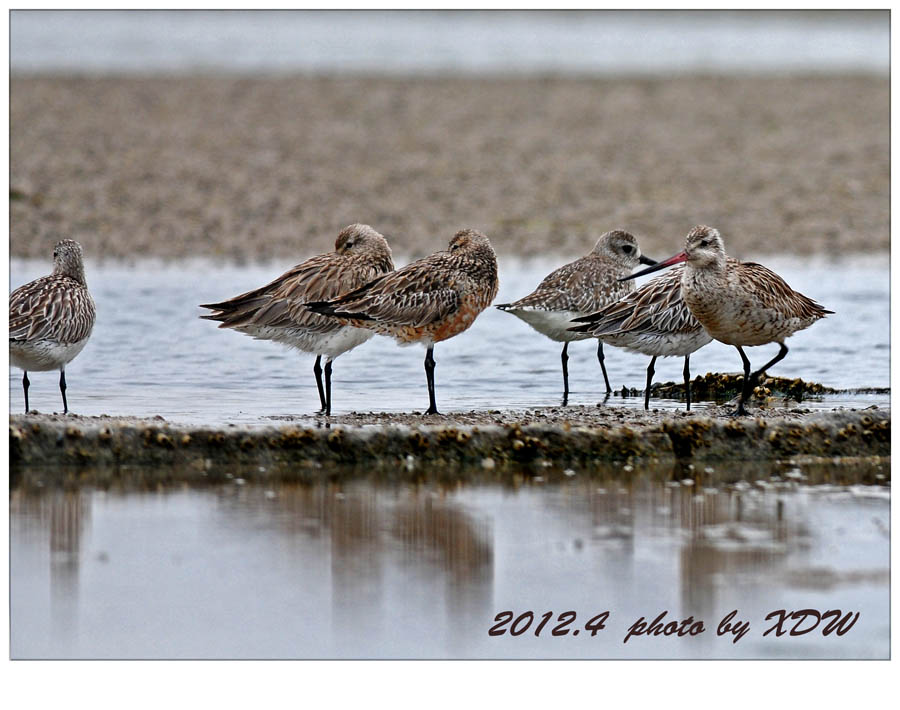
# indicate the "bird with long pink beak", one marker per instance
pixel 738 303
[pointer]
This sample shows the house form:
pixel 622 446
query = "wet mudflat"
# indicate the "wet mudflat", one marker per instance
pixel 368 568
pixel 250 168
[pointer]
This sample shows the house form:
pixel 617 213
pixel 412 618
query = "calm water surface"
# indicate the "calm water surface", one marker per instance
pixel 450 43
pixel 151 353
pixel 376 570
pixel 370 569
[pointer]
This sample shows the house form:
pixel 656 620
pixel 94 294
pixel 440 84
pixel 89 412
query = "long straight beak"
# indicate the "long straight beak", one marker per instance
pixel 678 258
pixel 647 260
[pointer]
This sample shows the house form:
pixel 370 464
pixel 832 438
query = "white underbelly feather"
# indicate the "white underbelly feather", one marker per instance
pixel 659 344
pixel 42 355
pixel 331 344
pixel 554 324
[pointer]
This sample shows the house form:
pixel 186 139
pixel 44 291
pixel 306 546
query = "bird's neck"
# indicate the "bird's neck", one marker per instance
pixel 704 277
pixel 73 271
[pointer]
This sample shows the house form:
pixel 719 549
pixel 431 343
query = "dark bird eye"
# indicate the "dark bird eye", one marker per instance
pixel 349 244
pixel 627 249
pixel 704 243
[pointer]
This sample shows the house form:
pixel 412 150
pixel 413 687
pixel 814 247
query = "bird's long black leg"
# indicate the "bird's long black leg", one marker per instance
pixel 601 358
pixel 783 350
pixel 687 380
pixel 328 388
pixel 429 373
pixel 62 388
pixel 317 370
pixel 650 372
pixel 25 384
pixel 565 368
pixel 745 389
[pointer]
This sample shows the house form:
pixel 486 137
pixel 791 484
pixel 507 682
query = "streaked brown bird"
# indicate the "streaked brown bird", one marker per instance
pixel 427 301
pixel 739 303
pixel 51 318
pixel 577 289
pixel 653 320
pixel 276 311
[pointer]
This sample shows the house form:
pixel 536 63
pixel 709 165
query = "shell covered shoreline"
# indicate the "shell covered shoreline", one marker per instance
pixel 84 450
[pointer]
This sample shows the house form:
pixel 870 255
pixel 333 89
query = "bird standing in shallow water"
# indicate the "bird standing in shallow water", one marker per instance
pixel 276 311
pixel 739 303
pixel 577 289
pixel 653 320
pixel 427 301
pixel 51 318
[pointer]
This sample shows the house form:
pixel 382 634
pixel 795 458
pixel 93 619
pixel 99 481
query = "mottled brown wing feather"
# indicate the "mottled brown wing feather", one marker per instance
pixel 656 307
pixel 54 308
pixel 659 308
pixel 581 285
pixel 412 295
pixel 773 292
pixel 281 302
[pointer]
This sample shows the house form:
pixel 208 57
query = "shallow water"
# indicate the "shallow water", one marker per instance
pixel 151 353
pixel 442 42
pixel 366 569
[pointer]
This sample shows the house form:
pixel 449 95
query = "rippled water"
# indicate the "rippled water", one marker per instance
pixel 375 570
pixel 151 354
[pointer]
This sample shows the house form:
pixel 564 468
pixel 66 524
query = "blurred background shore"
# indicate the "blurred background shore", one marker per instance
pixel 258 136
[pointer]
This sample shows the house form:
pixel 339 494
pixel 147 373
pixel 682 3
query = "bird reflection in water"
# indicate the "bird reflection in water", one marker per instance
pixel 62 517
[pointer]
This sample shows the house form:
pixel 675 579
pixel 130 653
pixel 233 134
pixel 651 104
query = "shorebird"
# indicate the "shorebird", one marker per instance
pixel 739 303
pixel 427 301
pixel 653 320
pixel 276 311
pixel 577 289
pixel 51 318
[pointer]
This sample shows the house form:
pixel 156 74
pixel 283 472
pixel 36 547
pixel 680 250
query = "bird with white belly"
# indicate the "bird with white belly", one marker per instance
pixel 577 289
pixel 653 320
pixel 277 312
pixel 51 318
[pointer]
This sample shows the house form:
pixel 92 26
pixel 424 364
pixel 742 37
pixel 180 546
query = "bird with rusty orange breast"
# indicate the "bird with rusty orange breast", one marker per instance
pixel 427 301
pixel 739 303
